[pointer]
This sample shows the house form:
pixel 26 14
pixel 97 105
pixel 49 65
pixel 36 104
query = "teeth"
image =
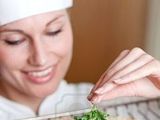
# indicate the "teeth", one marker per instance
pixel 41 73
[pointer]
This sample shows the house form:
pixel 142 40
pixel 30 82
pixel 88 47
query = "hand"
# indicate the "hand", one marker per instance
pixel 133 73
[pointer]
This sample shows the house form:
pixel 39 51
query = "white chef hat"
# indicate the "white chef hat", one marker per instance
pixel 12 10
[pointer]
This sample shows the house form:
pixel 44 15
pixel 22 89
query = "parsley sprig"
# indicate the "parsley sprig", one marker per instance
pixel 94 114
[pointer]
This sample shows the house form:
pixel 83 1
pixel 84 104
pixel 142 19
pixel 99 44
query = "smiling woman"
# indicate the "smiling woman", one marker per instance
pixel 35 52
pixel 38 52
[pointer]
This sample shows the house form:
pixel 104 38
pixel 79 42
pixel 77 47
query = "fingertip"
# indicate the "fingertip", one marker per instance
pixel 89 97
pixel 92 96
pixel 96 99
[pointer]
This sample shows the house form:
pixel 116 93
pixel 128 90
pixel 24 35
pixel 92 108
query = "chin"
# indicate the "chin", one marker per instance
pixel 43 92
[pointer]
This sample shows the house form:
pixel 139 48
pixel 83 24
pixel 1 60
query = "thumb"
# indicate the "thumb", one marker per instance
pixel 121 90
pixel 143 87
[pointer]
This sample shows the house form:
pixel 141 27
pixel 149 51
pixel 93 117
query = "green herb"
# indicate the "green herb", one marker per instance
pixel 94 114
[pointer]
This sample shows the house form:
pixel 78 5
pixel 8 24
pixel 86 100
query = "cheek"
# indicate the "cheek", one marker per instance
pixel 10 58
pixel 64 44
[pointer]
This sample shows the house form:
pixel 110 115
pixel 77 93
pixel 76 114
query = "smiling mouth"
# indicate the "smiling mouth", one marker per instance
pixel 42 76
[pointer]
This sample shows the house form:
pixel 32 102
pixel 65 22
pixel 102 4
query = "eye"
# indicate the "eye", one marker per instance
pixel 54 33
pixel 13 42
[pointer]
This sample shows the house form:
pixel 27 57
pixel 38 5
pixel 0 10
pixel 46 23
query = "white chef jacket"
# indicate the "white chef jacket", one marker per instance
pixel 68 97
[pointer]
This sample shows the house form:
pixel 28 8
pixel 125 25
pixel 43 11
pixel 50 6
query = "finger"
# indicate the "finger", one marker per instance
pixel 92 93
pixel 107 87
pixel 138 63
pixel 117 64
pixel 132 56
pixel 99 83
pixel 126 57
pixel 145 70
pixel 148 69
pixel 94 89
pixel 124 61
pixel 131 89
pixel 101 80
pixel 119 91
pixel 119 58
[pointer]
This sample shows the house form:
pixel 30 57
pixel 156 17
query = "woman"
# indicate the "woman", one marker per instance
pixel 35 52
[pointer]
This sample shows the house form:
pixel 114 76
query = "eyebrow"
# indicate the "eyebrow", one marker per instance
pixel 55 19
pixel 22 32
pixel 17 31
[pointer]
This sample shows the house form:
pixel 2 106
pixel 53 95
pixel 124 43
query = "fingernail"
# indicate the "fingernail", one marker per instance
pixel 117 80
pixel 90 96
pixel 105 88
pixel 93 99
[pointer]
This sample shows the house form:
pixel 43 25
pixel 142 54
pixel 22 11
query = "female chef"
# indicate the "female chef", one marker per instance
pixel 35 52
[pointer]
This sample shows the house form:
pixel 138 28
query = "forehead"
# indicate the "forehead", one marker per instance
pixel 41 18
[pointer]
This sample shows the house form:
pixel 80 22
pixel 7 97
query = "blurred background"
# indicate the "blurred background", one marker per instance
pixel 103 28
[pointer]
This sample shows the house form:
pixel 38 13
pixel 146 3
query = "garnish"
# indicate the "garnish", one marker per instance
pixel 94 114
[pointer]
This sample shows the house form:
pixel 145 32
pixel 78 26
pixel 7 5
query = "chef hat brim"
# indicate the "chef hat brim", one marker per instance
pixel 12 10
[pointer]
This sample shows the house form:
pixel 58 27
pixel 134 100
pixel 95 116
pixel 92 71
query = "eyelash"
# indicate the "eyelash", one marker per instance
pixel 13 42
pixel 20 41
pixel 54 33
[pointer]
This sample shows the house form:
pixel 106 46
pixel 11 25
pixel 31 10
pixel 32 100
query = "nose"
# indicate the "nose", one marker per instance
pixel 38 54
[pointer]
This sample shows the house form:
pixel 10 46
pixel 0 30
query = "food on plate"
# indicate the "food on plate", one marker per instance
pixel 94 114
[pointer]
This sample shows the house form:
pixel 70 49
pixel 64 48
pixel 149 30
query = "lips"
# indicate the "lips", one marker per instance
pixel 40 76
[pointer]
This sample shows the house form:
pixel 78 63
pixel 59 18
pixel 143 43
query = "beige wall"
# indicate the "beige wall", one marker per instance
pixel 153 28
pixel 102 28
